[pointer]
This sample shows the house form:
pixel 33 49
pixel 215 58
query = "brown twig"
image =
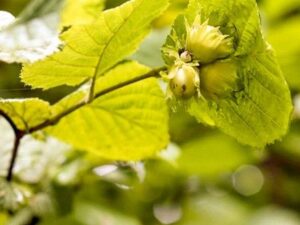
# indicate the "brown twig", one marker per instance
pixel 18 136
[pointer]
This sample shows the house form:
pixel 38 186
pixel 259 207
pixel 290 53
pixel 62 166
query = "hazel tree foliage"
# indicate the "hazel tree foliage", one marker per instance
pixel 218 67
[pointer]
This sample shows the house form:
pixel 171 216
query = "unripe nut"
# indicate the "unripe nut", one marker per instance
pixel 218 79
pixel 184 81
pixel 207 43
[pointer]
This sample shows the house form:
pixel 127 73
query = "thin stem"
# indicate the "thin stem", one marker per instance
pixel 9 120
pixel 12 163
pixel 152 73
pixel 57 118
pixel 18 136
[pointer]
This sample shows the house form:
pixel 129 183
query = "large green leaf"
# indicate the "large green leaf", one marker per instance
pixel 257 114
pixel 257 110
pixel 90 50
pixel 26 113
pixel 127 124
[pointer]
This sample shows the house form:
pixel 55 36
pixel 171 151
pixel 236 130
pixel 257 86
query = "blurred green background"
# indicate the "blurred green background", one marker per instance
pixel 202 178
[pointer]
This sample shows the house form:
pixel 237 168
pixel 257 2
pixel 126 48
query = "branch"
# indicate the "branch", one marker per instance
pixel 18 136
pixel 15 150
pixel 20 133
pixel 9 120
pixel 57 118
pixel 152 73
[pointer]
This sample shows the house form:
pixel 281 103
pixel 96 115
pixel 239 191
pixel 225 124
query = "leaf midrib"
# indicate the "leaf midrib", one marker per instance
pixel 112 38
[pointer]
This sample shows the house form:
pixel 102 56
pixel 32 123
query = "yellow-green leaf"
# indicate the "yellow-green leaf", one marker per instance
pixel 127 124
pixel 90 50
pixel 258 113
pixel 26 113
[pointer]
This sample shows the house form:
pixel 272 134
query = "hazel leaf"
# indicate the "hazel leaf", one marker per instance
pixel 91 50
pixel 127 124
pixel 245 95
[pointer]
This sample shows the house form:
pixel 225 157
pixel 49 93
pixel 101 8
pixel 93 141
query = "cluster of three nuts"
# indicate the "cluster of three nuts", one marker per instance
pixel 199 69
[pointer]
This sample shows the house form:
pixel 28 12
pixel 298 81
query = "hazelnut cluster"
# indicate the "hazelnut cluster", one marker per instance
pixel 199 68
